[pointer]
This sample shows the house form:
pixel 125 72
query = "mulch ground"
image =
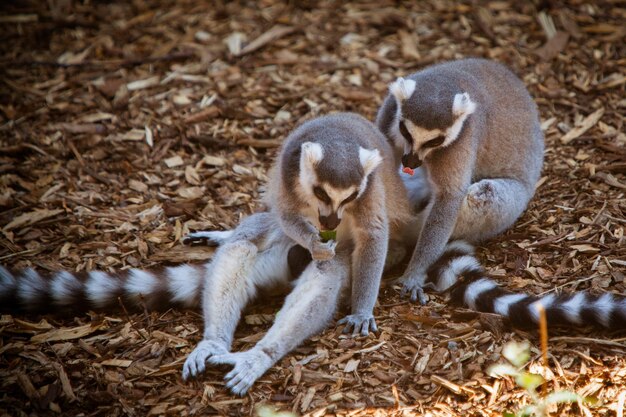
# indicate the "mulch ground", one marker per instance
pixel 123 125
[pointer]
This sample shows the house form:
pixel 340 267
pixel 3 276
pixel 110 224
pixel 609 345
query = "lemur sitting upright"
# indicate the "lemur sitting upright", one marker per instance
pixel 476 130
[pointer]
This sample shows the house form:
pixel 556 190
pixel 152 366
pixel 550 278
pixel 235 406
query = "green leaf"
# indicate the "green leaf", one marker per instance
pixel 502 369
pixel 529 381
pixel 327 235
pixel 517 353
pixel 507 414
pixel 562 397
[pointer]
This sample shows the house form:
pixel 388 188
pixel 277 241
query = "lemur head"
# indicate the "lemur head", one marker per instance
pixel 428 117
pixel 331 181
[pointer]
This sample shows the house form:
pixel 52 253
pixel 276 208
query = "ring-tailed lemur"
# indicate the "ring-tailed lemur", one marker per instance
pixel 333 172
pixel 475 129
pixel 338 172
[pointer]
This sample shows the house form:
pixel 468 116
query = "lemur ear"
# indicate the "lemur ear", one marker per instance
pixel 370 159
pixel 402 89
pixel 463 105
pixel 311 154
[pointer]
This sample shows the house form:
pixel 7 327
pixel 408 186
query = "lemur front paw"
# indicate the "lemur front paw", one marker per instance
pixel 412 287
pixel 247 368
pixel 323 251
pixel 359 324
pixel 206 237
pixel 196 361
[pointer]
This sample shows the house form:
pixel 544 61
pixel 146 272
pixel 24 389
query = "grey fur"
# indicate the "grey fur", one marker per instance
pixel 355 261
pixel 482 181
pixel 254 258
pixel 369 221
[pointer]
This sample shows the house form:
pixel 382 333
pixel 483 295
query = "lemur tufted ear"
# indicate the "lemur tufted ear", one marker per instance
pixel 370 159
pixel 463 105
pixel 311 154
pixel 402 89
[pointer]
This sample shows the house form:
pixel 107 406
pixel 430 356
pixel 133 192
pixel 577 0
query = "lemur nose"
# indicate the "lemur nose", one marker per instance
pixel 330 222
pixel 411 160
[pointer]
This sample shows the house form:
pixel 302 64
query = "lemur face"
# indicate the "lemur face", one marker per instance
pixel 329 200
pixel 443 121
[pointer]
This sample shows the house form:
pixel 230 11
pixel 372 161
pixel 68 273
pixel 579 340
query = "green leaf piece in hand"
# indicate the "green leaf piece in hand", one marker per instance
pixel 327 235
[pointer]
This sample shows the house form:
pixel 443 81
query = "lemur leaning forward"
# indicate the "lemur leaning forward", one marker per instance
pixel 475 130
pixel 330 174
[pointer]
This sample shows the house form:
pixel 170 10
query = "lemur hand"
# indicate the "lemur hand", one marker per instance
pixel 412 286
pixel 247 368
pixel 196 361
pixel 359 324
pixel 323 251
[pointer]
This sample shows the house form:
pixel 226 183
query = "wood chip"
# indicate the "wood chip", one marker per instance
pixel 174 161
pixel 276 32
pixel 30 218
pixel 119 363
pixel 66 334
pixel 587 123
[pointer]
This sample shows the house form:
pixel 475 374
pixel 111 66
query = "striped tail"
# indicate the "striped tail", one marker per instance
pixel 65 292
pixel 460 273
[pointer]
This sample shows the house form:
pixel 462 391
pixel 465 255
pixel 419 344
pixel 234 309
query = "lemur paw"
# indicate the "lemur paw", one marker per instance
pixel 323 251
pixel 359 324
pixel 196 361
pixel 412 287
pixel 247 368
pixel 205 237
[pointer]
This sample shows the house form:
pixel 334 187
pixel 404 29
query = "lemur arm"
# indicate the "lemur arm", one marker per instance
pixel 449 186
pixel 299 229
pixel 436 232
pixel 368 262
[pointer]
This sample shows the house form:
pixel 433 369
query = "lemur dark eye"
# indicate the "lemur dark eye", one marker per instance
pixel 405 133
pixel 321 194
pixel 351 198
pixel 433 143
